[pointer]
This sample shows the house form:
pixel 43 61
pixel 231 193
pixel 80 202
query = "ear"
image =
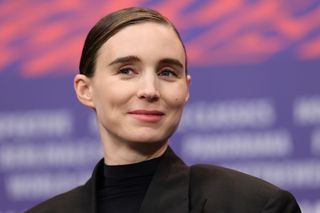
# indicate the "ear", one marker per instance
pixel 188 87
pixel 83 89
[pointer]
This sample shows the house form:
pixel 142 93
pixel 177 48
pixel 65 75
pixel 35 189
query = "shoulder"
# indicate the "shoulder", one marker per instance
pixel 229 189
pixel 79 199
pixel 64 202
pixel 211 175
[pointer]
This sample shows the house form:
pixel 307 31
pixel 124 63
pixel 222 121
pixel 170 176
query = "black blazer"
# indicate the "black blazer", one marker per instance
pixel 178 188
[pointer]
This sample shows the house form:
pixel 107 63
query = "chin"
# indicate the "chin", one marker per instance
pixel 147 140
pixel 147 136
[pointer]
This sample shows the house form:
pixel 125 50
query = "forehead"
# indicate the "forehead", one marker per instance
pixel 146 40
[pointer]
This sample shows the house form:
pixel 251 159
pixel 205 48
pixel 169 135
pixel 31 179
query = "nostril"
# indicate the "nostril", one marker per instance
pixel 148 87
pixel 150 96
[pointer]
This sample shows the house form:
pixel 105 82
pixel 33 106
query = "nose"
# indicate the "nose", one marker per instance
pixel 149 87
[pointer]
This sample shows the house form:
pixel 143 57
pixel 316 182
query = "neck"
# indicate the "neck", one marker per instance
pixel 122 153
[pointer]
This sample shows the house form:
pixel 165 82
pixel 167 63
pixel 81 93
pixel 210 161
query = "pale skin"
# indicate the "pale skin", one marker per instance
pixel 138 91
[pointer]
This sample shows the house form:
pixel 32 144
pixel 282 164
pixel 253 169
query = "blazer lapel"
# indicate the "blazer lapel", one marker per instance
pixel 168 190
pixel 91 188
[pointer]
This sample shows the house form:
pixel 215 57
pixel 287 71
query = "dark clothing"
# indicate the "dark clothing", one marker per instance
pixel 123 187
pixel 178 188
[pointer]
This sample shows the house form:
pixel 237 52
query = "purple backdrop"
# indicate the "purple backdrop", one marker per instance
pixel 255 93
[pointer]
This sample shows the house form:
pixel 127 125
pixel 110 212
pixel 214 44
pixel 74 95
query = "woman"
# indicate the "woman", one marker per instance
pixel 133 74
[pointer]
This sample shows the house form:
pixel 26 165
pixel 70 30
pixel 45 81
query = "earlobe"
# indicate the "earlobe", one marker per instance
pixel 188 87
pixel 82 87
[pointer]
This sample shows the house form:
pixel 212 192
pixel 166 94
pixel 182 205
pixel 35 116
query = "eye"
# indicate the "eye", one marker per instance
pixel 167 73
pixel 126 71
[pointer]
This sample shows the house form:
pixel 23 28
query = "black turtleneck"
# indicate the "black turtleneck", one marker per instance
pixel 124 186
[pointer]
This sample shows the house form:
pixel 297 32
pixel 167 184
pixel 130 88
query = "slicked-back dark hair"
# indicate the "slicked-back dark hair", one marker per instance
pixel 112 23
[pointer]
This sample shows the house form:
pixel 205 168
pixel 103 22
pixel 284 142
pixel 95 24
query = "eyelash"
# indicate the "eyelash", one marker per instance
pixel 128 71
pixel 168 71
pixel 124 71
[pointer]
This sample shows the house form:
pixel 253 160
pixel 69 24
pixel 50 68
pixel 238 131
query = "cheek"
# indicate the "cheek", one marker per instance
pixel 177 100
pixel 114 95
pixel 182 94
pixel 176 97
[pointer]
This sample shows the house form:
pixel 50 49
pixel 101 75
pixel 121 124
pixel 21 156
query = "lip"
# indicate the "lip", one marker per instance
pixel 151 116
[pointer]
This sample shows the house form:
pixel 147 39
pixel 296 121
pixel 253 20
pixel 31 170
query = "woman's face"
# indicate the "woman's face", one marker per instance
pixel 140 87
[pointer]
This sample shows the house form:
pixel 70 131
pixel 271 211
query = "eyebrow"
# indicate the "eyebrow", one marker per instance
pixel 171 61
pixel 132 58
pixel 125 59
